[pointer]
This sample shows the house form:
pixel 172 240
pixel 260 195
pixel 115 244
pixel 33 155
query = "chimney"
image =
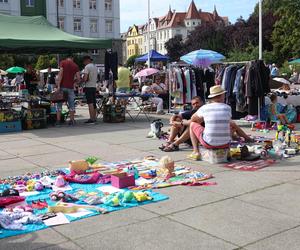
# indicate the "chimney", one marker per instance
pixel 200 10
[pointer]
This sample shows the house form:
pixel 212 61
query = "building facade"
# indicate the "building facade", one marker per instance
pixel 175 23
pixel 86 18
pixel 135 41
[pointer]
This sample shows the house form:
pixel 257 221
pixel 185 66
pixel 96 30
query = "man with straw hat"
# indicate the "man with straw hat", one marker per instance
pixel 218 128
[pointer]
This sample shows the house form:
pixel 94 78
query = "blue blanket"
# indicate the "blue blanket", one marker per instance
pixel 44 195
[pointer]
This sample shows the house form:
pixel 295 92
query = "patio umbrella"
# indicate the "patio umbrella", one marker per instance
pixel 46 70
pixel 296 61
pixel 146 72
pixel 202 57
pixel 16 70
pixel 3 73
pixel 281 80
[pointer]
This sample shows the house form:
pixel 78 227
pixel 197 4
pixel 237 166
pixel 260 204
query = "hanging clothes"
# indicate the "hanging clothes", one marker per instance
pixel 111 64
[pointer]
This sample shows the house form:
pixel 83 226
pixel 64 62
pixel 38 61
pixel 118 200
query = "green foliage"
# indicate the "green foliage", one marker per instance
pixel 53 62
pixel 43 62
pixel 175 48
pixel 286 69
pixel 6 61
pixel 286 34
pixel 131 60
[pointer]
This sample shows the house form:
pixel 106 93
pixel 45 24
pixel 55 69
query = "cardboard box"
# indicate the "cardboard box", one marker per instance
pixel 122 180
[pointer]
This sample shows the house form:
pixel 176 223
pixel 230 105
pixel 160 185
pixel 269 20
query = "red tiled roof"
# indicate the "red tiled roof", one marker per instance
pixel 192 12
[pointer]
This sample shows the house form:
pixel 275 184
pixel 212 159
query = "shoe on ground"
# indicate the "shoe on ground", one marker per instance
pixel 194 156
pixel 161 112
pixel 90 121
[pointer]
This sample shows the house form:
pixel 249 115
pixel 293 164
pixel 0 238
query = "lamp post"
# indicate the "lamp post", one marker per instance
pixel 148 33
pixel 57 15
pixel 260 31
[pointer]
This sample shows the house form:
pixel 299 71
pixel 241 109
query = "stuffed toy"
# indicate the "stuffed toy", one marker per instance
pixel 142 196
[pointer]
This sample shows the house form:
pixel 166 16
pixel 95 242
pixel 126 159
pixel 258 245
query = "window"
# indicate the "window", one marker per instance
pixel 109 25
pixel 29 3
pixel 93 4
pixel 188 23
pixel 193 23
pixel 61 21
pixel 3 1
pixel 108 5
pixel 77 24
pixel 93 25
pixel 61 3
pixel 76 4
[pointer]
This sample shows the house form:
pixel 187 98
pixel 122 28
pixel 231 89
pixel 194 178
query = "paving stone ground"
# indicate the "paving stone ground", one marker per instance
pixel 245 210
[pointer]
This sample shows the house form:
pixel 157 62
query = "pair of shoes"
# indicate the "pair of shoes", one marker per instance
pixel 171 148
pixel 194 156
pixel 90 121
pixel 163 146
pixel 161 112
pixel 71 123
pixel 39 204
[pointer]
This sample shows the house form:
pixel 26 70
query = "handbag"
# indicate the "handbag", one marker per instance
pixel 58 96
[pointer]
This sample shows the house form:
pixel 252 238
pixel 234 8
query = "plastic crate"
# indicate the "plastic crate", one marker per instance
pixel 6 127
pixel 114 113
pixel 34 124
pixel 9 115
pixel 214 156
pixel 34 114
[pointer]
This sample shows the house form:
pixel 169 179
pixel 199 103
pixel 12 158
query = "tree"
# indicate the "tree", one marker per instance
pixel 286 34
pixel 131 60
pixel 53 62
pixel 42 62
pixel 6 61
pixel 175 48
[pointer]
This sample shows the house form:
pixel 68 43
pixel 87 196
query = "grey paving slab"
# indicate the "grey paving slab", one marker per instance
pixel 287 240
pixel 236 221
pixel 182 198
pixel 36 240
pixel 233 183
pixel 17 172
pixel 11 137
pixel 5 155
pixel 63 246
pixel 15 164
pixel 33 150
pixel 19 144
pixel 158 233
pixel 62 157
pixel 102 223
pixel 283 198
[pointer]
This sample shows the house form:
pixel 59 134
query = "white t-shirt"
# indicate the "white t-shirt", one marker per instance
pixel 217 118
pixel 92 72
pixel 146 90
pixel 159 87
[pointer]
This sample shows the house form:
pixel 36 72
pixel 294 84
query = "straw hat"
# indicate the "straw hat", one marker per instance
pixel 216 91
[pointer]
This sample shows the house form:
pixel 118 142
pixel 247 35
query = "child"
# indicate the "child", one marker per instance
pixel 275 115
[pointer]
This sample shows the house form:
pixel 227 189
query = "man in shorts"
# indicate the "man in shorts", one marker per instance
pixel 90 79
pixel 211 125
pixel 67 77
pixel 180 127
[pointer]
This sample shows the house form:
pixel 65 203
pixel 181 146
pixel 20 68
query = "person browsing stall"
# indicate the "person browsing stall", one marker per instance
pixel 68 75
pixel 90 77
pixel 123 84
pixel 180 124
pixel 211 125
pixel 147 90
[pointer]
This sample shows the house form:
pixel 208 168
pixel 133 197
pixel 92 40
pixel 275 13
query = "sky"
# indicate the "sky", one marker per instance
pixel 135 11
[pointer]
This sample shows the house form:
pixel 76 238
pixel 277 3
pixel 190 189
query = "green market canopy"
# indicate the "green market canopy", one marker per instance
pixel 20 34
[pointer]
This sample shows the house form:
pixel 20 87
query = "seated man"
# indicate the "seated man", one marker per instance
pixel 180 127
pixel 218 128
pixel 147 89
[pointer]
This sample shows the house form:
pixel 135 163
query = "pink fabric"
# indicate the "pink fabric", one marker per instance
pixel 198 130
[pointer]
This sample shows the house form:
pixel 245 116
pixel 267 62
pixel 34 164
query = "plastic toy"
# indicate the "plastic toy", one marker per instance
pixel 72 208
pixel 111 200
pixel 62 196
pixel 142 196
pixel 128 196
pixel 38 186
pixel 131 170
pixel 285 130
pixel 168 164
pixel 60 181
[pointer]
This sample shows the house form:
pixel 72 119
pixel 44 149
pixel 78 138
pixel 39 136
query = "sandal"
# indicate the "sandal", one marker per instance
pixel 171 148
pixel 194 156
pixel 163 146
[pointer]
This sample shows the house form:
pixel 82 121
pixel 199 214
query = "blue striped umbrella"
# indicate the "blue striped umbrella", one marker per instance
pixel 202 57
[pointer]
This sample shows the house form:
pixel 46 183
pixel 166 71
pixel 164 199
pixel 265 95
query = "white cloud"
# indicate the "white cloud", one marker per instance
pixel 136 11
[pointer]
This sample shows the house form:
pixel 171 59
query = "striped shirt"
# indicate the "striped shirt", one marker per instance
pixel 217 118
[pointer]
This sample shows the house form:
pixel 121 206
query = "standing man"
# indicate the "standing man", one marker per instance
pixel 67 77
pixel 90 79
pixel 124 79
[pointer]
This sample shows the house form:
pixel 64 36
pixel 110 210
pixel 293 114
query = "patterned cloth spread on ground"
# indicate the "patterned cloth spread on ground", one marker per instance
pixel 250 165
pixel 183 176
